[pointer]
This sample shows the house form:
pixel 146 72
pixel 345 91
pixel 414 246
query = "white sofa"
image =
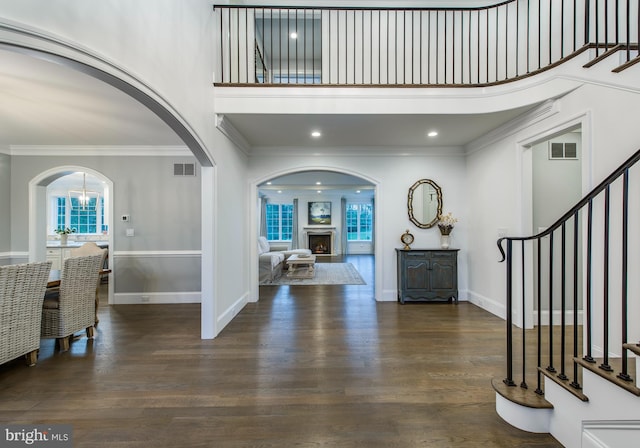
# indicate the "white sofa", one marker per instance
pixel 271 263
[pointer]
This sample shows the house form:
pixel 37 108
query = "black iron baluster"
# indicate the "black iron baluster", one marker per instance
pixel 562 29
pixel 588 357
pixel 575 384
pixel 606 25
pixel 597 26
pixel 628 27
pixel 238 52
pixel 437 49
pixel 539 35
pixel 575 30
pixel 497 46
pixel 550 30
pixel 517 39
pixel 509 379
pixel 587 31
pixel 624 374
pixel 523 384
pixel 563 303
pixel 539 390
pixel 550 367
pixel 605 315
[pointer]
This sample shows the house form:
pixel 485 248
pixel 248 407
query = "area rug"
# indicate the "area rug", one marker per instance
pixel 326 274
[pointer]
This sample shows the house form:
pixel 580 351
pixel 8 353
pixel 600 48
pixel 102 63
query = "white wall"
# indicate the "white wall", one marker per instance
pixel 169 46
pixel 497 174
pixel 394 175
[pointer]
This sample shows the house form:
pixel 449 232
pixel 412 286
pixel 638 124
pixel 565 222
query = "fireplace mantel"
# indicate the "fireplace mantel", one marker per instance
pixel 310 232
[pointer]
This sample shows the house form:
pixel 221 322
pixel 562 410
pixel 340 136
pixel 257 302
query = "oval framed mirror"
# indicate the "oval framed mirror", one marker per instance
pixel 424 203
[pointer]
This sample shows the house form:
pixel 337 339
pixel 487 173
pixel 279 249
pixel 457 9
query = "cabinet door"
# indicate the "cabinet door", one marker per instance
pixel 443 273
pixel 416 274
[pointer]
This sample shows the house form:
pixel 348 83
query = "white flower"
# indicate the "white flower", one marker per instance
pixel 447 220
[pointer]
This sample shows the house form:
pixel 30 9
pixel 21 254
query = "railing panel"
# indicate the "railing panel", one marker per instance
pixel 416 46
pixel 583 258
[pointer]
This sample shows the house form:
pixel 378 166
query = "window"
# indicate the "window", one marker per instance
pixel 359 222
pixel 69 213
pixel 279 222
pixel 84 220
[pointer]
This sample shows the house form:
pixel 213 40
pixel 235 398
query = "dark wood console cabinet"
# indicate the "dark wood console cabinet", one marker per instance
pixel 427 275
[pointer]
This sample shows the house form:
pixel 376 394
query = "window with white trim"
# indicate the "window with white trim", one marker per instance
pixel 359 221
pixel 279 222
pixel 67 213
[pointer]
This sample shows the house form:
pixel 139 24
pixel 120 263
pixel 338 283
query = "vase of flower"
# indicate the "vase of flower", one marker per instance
pixel 64 233
pixel 446 224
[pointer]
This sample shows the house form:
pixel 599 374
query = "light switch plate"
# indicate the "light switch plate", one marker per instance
pixel 130 232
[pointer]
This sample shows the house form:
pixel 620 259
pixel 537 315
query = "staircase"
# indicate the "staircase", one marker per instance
pixel 575 374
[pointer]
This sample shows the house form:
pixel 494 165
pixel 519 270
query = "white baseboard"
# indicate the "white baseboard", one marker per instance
pixel 487 304
pixel 231 312
pixel 156 297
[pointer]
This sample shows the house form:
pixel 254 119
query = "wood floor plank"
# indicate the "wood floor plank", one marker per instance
pixel 306 366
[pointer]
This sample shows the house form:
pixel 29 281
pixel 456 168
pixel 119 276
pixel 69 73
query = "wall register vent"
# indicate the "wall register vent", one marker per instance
pixel 563 151
pixel 184 169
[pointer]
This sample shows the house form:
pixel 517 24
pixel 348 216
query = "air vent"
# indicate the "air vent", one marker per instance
pixel 563 151
pixel 184 169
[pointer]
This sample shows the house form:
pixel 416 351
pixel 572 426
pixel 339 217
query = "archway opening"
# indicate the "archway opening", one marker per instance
pixel 297 208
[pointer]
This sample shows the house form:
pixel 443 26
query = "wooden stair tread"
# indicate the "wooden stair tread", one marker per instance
pixel 520 395
pixel 565 384
pixel 635 348
pixel 609 375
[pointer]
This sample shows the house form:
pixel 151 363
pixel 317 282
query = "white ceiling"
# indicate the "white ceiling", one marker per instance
pixel 47 104
pixel 44 103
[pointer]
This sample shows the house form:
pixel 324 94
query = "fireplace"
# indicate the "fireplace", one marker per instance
pixel 320 243
pixel 320 240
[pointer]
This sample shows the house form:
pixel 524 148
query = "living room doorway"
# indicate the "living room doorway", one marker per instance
pixel 328 213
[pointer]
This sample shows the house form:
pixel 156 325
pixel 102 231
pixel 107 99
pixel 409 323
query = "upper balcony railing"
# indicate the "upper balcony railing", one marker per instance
pixel 260 45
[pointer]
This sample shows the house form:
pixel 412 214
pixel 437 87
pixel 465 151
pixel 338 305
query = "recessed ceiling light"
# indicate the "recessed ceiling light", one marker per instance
pixel 269 183
pixel 318 183
pixel 279 191
pixel 432 134
pixel 319 191
pixel 358 191
pixel 316 134
pixel 293 35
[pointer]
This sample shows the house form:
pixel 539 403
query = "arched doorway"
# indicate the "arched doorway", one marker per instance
pixel 38 210
pixel 359 181
pixel 32 44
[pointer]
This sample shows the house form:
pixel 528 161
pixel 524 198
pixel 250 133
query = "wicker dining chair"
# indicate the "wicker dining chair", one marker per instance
pixel 73 309
pixel 22 288
pixel 92 248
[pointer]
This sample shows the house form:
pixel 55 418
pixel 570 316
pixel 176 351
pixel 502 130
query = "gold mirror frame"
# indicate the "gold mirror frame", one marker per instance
pixel 419 191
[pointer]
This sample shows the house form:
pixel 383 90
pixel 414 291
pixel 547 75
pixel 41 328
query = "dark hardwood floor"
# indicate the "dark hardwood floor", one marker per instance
pixel 306 366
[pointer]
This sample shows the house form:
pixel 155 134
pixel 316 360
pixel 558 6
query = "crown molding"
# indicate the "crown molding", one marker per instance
pixel 365 151
pixel 230 131
pixel 545 110
pixel 98 150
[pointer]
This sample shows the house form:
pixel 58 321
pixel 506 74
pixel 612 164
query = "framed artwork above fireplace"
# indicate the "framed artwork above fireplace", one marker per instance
pixel 319 213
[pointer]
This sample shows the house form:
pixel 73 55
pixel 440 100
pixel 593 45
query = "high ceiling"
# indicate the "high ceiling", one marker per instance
pixel 51 105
